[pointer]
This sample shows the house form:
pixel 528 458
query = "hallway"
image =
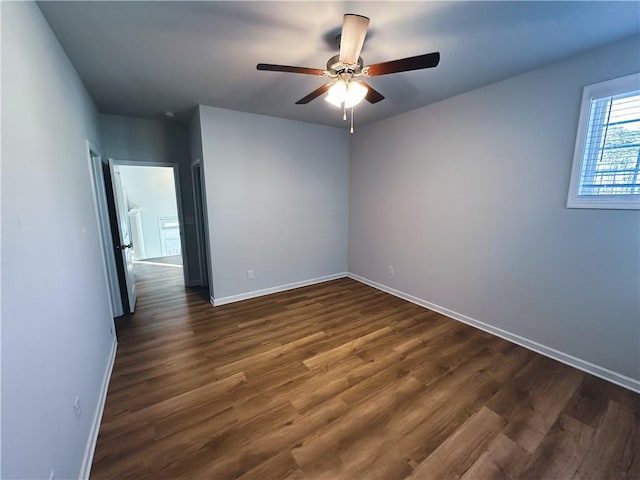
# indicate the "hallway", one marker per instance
pixel 158 285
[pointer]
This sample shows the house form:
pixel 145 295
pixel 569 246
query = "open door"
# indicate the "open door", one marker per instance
pixel 124 231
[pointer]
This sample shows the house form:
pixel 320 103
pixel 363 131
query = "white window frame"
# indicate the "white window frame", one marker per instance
pixel 608 88
pixel 161 228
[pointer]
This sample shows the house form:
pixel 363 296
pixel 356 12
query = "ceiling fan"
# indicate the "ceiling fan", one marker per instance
pixel 346 88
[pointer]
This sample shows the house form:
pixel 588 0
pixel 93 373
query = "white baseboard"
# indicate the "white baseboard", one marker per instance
pixel 89 450
pixel 601 372
pixel 216 302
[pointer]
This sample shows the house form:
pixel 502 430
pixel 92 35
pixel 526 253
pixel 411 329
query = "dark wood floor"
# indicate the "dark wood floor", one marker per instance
pixel 340 380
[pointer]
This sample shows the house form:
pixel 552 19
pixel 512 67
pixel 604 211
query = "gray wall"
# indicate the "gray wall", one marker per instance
pixel 153 191
pixel 195 135
pixel 466 200
pixel 277 196
pixel 127 138
pixel 56 315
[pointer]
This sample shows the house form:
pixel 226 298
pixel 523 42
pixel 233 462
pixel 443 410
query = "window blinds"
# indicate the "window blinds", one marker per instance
pixel 611 163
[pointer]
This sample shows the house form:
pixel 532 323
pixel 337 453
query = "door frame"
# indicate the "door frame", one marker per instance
pixel 176 181
pixel 202 225
pixel 101 208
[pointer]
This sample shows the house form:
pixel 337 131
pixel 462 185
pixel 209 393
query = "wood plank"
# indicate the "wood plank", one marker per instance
pixel 561 451
pixel 502 460
pixel 346 349
pixel 535 400
pixel 613 452
pixel 321 449
pixel 460 450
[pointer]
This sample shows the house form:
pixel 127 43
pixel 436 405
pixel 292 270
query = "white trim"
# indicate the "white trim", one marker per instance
pixel 585 366
pixel 216 302
pixel 101 209
pixel 137 236
pixel 608 202
pixel 616 86
pixel 90 448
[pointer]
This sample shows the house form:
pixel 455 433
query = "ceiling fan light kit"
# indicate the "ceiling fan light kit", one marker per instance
pixel 346 94
pixel 346 90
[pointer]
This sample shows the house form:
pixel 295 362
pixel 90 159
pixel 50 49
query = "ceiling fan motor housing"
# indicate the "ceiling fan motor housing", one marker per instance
pixel 335 67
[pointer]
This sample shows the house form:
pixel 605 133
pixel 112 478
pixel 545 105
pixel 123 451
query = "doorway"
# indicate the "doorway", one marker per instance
pixel 147 221
pixel 152 213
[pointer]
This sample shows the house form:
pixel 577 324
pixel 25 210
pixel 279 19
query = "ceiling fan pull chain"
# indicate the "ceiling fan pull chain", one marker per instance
pixel 344 112
pixel 351 131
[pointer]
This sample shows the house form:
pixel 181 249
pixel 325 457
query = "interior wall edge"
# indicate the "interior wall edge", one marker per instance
pixel 584 365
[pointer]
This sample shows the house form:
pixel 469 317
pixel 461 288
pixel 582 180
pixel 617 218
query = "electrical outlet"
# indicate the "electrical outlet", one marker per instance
pixel 77 408
pixel 390 270
pixel 249 273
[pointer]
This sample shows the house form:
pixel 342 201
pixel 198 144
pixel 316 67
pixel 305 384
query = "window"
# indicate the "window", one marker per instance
pixel 169 236
pixel 606 161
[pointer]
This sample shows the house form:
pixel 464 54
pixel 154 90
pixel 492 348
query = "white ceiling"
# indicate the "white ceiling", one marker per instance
pixel 140 58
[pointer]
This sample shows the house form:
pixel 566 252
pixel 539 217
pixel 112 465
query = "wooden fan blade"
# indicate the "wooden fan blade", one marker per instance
pixel 419 62
pixel 373 96
pixel 354 30
pixel 313 95
pixel 289 69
